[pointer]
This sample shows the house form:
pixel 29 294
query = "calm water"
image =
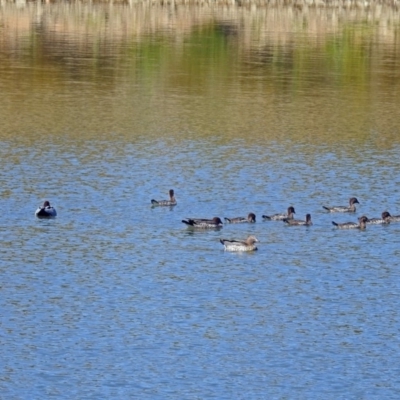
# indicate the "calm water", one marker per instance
pixel 104 108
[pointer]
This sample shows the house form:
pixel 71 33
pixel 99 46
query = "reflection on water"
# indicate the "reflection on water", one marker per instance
pixel 276 71
pixel 238 109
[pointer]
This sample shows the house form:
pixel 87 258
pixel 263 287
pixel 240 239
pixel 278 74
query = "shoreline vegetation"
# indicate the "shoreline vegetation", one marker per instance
pixel 346 4
pixel 247 20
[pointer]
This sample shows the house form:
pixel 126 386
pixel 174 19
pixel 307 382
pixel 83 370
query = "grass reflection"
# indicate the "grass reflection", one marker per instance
pixel 277 72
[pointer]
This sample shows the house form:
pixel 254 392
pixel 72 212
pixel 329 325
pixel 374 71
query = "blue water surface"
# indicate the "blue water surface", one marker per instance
pixel 115 299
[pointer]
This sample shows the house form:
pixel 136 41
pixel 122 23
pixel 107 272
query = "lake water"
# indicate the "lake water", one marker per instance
pixel 238 109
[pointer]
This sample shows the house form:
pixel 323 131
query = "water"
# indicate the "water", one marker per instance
pixel 115 299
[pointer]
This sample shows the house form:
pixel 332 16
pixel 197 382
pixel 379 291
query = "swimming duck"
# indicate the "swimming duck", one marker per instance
pixel 384 220
pixel 170 202
pixel 350 208
pixel 394 218
pixel 240 245
pixel 352 225
pixel 203 223
pixel 293 222
pixel 250 218
pixel 46 211
pixel 281 217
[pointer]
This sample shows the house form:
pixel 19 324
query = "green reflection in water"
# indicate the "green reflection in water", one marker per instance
pixel 88 72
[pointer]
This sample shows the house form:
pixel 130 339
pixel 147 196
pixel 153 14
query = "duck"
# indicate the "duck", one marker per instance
pixel 171 202
pixel 353 225
pixel 237 220
pixel 298 222
pixel 394 218
pixel 46 211
pixel 240 245
pixel 384 220
pixel 281 217
pixel 350 208
pixel 203 223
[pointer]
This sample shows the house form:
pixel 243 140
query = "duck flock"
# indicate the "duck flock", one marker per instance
pixel 249 244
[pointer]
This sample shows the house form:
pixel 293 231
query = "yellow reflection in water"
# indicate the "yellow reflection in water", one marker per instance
pixel 85 71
